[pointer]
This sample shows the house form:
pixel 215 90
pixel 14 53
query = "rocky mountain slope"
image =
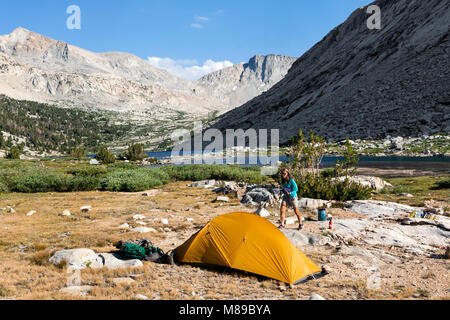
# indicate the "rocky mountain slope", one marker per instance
pixel 242 82
pixel 363 83
pixel 37 68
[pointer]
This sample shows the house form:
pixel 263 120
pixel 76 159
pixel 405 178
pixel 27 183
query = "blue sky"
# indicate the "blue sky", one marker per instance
pixel 186 33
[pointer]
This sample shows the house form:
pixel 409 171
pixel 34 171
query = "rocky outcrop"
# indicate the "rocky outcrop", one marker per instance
pixel 375 183
pixel 362 83
pixel 86 258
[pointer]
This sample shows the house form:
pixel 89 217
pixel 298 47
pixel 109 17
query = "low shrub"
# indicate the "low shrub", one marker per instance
pixel 194 172
pixel 14 153
pixel 121 165
pixel 4 292
pixel 88 171
pixel 442 184
pixel 105 156
pixel 39 182
pixel 327 189
pixel 306 153
pixel 84 183
pixel 134 180
pixel 77 153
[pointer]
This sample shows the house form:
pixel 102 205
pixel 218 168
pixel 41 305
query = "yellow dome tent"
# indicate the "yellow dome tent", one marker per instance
pixel 247 242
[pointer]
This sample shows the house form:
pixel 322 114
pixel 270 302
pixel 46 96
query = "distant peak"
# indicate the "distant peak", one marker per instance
pixel 20 30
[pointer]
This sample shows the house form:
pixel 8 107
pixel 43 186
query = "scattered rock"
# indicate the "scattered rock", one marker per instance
pixel 77 258
pixel 11 210
pixel 29 214
pixel 222 199
pixel 165 221
pixel 385 257
pixel 190 219
pixel 140 297
pixel 77 290
pixel 376 209
pixel 141 223
pixel 139 217
pixel 261 196
pixel 291 220
pixel 204 184
pixel 415 251
pixel 124 226
pixel 64 235
pixel 316 297
pixel 150 193
pixel 442 222
pixel 94 162
pixel 143 230
pixel 313 204
pixel 114 261
pixel 86 209
pixel 65 213
pixel 123 281
pixel 375 183
pixel 262 212
pixel 408 195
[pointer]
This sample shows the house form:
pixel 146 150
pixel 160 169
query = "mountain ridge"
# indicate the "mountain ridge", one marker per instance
pixel 53 71
pixel 362 83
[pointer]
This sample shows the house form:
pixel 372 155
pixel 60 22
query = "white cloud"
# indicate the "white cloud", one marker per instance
pixel 199 18
pixel 196 25
pixel 188 69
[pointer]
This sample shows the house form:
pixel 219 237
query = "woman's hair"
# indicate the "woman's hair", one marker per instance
pixel 288 175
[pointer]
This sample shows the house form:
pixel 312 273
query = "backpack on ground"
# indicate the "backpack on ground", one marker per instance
pixel 132 251
pixel 153 254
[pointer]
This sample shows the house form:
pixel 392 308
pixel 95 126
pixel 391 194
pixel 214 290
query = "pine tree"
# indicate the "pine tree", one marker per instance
pixel 105 156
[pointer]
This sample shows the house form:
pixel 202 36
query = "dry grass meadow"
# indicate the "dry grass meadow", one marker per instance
pixel 26 243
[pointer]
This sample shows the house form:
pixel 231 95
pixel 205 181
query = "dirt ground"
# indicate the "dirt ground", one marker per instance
pixel 26 243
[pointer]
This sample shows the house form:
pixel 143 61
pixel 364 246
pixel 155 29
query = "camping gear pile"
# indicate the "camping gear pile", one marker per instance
pixel 143 249
pixel 241 241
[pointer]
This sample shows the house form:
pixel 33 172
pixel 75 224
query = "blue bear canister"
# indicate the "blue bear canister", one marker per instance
pixel 322 215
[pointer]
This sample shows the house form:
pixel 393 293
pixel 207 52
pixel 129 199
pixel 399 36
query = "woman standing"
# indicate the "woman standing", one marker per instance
pixel 290 198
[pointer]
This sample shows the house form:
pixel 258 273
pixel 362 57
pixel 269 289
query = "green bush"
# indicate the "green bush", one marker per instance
pixel 306 156
pixel 14 153
pixel 40 182
pixel 3 185
pixel 84 183
pixel 442 184
pixel 134 180
pixel 88 171
pixel 135 153
pixel 105 156
pixel 122 166
pixel 193 172
pixel 77 153
pixel 10 170
pixel 326 189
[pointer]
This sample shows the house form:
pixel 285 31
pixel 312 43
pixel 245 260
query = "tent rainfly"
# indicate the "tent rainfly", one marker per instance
pixel 247 242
